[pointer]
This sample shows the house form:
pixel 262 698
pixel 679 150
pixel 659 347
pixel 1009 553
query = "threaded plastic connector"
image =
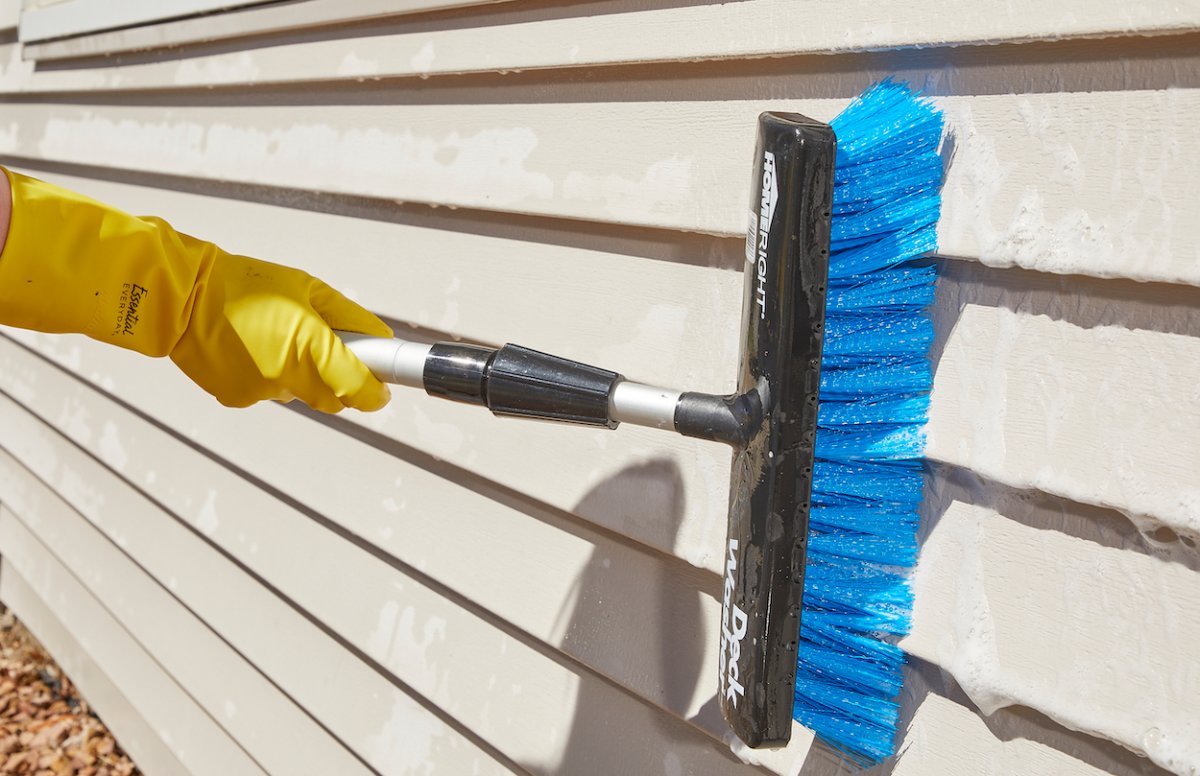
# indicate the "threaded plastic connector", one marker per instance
pixel 527 383
pixel 521 382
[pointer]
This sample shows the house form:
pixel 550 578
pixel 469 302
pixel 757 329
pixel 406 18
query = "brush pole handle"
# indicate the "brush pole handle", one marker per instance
pixel 395 361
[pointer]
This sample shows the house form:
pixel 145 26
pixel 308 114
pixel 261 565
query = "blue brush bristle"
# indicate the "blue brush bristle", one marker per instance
pixel 875 385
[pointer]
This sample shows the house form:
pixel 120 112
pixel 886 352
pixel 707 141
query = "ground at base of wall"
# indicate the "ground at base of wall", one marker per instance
pixel 46 728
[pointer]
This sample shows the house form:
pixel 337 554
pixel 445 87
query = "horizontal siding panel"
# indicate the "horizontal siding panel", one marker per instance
pixel 388 728
pixel 623 163
pixel 1088 183
pixel 136 735
pixel 473 668
pixel 237 23
pixel 10 14
pixel 548 37
pixel 1031 601
pixel 197 741
pixel 42 20
pixel 261 719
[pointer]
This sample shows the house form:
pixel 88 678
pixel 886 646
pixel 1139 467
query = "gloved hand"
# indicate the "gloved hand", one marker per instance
pixel 244 330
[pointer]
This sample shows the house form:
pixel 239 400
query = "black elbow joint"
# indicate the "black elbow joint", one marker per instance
pixel 733 419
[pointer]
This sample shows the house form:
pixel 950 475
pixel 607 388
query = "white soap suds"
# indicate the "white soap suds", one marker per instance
pixel 353 65
pixel 486 168
pixel 80 491
pixel 422 61
pixel 10 138
pixel 207 520
pixel 445 439
pixel 405 741
pixel 664 190
pixel 73 419
pixel 401 637
pixel 14 74
pixel 111 449
pixel 968 586
pixel 227 69
pixel 975 662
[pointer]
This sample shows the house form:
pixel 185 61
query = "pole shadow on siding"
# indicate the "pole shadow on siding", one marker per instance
pixel 676 661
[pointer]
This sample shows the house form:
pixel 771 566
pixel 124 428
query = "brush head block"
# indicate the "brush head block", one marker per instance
pixel 787 255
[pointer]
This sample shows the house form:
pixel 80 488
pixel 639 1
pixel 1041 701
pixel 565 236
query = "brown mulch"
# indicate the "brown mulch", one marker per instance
pixel 46 728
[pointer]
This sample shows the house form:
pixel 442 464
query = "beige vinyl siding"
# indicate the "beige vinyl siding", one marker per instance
pixel 244 20
pixel 520 37
pixel 431 589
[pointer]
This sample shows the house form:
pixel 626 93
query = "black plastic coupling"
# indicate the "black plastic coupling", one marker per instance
pixel 520 382
pixel 731 419
pixel 528 383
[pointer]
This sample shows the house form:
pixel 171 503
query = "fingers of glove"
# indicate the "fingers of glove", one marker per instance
pixel 279 353
pixel 341 313
pixel 321 401
pixel 228 384
pixel 340 378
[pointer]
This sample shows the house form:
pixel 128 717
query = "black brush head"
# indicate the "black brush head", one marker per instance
pixel 783 313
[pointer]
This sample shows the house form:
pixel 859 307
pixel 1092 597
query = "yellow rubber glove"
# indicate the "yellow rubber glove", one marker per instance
pixel 244 330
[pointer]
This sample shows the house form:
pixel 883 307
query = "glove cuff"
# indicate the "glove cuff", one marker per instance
pixel 72 264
